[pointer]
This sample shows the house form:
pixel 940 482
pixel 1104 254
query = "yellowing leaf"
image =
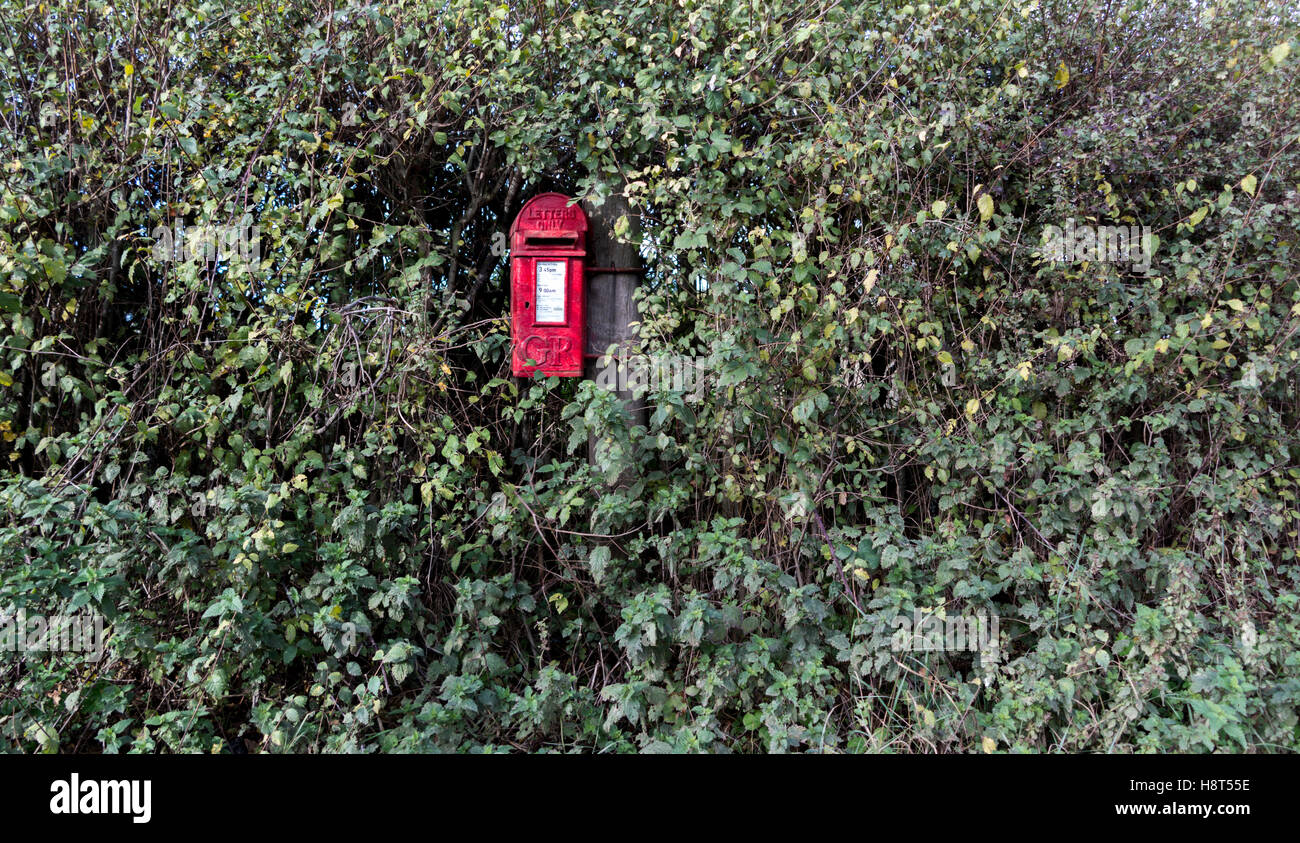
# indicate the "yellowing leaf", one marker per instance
pixel 985 203
pixel 1248 184
pixel 871 280
pixel 1279 53
pixel 938 208
pixel 128 69
pixel 1198 215
pixel 972 407
pixel 1062 76
pixel 988 744
pixel 1236 304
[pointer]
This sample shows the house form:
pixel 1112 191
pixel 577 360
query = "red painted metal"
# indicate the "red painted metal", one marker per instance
pixel 548 249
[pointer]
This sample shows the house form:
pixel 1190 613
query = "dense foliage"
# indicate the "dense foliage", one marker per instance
pixel 317 514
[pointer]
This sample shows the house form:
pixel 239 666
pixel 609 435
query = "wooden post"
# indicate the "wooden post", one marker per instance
pixel 611 310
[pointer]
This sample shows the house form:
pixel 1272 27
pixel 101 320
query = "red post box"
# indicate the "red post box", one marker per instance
pixel 548 245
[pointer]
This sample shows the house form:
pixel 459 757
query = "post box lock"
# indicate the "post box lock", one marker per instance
pixel 548 248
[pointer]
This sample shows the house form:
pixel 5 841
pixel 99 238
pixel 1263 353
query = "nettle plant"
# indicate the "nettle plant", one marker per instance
pixel 317 514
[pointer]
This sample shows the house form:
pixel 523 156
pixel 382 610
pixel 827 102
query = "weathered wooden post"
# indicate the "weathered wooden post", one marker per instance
pixel 613 272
